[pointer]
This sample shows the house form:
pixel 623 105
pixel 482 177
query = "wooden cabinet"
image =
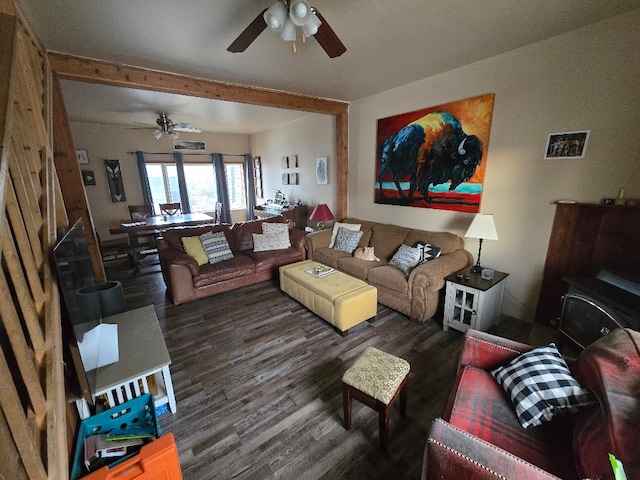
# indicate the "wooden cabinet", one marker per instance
pixel 472 302
pixel 586 238
pixel 297 214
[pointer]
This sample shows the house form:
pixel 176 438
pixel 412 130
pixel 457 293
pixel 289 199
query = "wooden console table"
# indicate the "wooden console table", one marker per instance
pixel 142 354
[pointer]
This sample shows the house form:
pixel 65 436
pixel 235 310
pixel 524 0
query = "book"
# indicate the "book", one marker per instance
pixel 99 447
pixel 320 271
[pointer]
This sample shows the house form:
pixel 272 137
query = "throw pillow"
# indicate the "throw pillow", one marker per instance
pixel 427 252
pixel 405 258
pixel 347 240
pixel 193 247
pixel 540 386
pixel 216 246
pixel 264 242
pixel 272 228
pixel 337 226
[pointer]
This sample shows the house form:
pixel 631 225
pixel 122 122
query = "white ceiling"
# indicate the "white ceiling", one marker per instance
pixel 389 43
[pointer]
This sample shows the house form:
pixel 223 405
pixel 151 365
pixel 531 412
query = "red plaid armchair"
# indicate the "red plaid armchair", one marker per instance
pixel 480 436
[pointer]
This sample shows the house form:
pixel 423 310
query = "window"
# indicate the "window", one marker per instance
pixel 236 186
pixel 201 185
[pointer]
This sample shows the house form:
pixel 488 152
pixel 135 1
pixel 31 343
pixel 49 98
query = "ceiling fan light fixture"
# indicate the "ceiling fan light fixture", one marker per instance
pixel 158 134
pixel 299 12
pixel 311 27
pixel 288 32
pixel 276 16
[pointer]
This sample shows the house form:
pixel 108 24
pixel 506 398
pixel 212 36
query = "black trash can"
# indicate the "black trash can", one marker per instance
pixel 101 300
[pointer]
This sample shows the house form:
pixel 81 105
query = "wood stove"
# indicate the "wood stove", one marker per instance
pixel 594 306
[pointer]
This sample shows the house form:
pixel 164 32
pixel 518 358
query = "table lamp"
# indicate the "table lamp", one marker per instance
pixel 321 214
pixel 483 228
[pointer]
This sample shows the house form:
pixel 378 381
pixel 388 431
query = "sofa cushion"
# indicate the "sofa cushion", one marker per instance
pixel 239 266
pixel 447 241
pixel 406 258
pixel 242 232
pixel 347 240
pixel 480 407
pixel 386 239
pixel 391 277
pixel 610 368
pixel 216 247
pixel 336 228
pixel 193 247
pixel 271 228
pixel 540 386
pixel 329 256
pixel 356 267
pixel 265 242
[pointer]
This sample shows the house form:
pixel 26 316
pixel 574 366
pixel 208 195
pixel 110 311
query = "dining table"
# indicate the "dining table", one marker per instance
pixel 151 227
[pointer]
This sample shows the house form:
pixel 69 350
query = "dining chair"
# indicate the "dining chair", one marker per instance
pixel 140 212
pixel 170 208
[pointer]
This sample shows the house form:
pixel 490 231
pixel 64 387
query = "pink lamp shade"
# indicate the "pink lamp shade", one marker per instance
pixel 321 214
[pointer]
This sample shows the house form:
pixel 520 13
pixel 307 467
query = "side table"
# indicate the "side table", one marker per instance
pixel 471 301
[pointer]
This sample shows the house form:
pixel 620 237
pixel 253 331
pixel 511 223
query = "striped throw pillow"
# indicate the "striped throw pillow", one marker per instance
pixel 216 246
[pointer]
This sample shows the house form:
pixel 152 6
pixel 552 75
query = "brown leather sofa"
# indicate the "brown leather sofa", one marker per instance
pixel 186 280
pixel 416 295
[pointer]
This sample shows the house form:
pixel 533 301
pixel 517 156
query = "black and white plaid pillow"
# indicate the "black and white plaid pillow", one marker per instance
pixel 540 386
pixel 427 252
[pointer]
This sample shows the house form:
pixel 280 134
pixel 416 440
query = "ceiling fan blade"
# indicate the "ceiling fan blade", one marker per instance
pixel 249 34
pixel 187 129
pixel 328 39
pixel 182 125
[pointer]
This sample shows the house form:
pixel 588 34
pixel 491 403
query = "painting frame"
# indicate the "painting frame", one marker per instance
pixel 114 180
pixel 567 145
pixel 88 177
pixel 322 166
pixel 82 156
pixel 434 157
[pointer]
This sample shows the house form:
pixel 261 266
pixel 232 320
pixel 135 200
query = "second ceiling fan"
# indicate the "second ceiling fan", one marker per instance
pixel 283 17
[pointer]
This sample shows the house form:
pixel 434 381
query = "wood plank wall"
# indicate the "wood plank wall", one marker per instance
pixel 33 431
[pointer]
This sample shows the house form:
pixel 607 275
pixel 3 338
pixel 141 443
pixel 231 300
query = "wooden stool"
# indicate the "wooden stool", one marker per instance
pixel 376 379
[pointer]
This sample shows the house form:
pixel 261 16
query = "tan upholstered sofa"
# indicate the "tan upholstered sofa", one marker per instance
pixel 416 295
pixel 186 280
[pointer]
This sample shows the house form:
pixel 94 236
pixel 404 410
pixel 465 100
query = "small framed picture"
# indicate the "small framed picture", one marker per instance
pixel 82 156
pixel 293 179
pixel 566 145
pixel 285 162
pixel 321 171
pixel 285 179
pixel 293 161
pixel 88 177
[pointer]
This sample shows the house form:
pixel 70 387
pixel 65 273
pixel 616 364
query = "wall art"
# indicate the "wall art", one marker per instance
pixel 88 177
pixel 435 157
pixel 114 178
pixel 285 162
pixel 189 145
pixel 285 179
pixel 82 156
pixel 567 145
pixel 257 176
pixel 321 170
pixel 293 179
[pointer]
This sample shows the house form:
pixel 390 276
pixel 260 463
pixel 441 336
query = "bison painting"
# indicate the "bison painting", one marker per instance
pixel 429 151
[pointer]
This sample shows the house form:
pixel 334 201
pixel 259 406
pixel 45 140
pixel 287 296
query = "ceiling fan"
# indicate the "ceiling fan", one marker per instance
pixel 167 127
pixel 283 17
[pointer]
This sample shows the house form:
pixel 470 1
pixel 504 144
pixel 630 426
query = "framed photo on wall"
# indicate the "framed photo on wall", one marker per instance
pixel 567 145
pixel 82 156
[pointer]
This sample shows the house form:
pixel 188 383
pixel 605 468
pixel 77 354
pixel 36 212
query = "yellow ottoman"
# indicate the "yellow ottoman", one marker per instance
pixel 376 379
pixel 338 298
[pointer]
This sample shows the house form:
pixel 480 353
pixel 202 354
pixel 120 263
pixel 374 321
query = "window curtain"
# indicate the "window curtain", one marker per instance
pixel 182 183
pixel 250 183
pixel 221 186
pixel 144 181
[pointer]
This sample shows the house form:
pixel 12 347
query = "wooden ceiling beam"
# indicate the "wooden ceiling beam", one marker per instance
pixel 70 67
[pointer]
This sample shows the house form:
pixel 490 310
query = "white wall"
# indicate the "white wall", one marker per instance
pixel 309 138
pixel 108 141
pixel 584 80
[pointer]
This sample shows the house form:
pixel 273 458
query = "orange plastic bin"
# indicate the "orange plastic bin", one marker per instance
pixel 157 460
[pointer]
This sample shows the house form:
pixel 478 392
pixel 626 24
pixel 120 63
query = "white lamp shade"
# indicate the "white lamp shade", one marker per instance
pixel 276 16
pixel 311 27
pixel 299 12
pixel 288 32
pixel 483 227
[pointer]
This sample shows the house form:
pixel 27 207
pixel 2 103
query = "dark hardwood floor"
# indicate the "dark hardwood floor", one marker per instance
pixel 257 382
